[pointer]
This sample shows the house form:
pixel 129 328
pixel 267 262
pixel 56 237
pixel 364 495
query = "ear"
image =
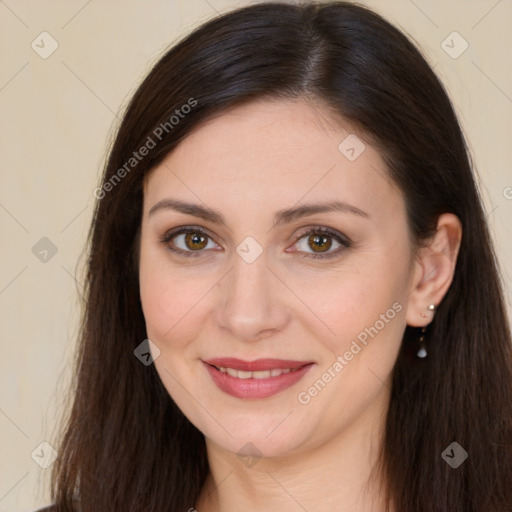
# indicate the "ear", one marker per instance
pixel 433 270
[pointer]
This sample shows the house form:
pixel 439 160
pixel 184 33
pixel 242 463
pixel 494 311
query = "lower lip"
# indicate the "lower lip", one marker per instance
pixel 255 388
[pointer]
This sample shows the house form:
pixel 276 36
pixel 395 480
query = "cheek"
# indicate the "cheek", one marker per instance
pixel 350 301
pixel 362 305
pixel 368 321
pixel 169 299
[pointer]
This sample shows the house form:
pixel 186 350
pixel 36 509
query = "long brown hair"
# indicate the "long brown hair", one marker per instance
pixel 125 445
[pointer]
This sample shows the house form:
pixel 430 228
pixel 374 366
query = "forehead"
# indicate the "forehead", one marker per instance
pixel 274 154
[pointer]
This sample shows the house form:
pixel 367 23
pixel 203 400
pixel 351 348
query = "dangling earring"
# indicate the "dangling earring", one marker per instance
pixel 422 352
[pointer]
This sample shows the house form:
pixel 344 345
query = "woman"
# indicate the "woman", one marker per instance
pixel 292 298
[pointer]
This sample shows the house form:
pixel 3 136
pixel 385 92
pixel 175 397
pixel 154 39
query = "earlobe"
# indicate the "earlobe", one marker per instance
pixel 434 270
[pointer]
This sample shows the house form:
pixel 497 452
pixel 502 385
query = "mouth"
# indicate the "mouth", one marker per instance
pixel 255 379
pixel 260 374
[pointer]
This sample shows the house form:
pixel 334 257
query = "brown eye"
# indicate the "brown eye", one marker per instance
pixel 320 243
pixel 189 242
pixel 195 241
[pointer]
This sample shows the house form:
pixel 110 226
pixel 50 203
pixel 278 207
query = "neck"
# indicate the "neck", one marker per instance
pixel 340 474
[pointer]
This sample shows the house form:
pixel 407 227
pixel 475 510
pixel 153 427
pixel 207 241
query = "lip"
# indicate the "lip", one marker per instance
pixel 252 388
pixel 257 365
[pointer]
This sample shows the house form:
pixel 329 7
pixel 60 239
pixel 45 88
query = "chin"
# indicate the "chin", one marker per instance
pixel 259 437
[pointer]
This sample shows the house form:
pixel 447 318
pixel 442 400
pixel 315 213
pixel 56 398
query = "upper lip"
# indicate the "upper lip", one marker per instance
pixel 257 365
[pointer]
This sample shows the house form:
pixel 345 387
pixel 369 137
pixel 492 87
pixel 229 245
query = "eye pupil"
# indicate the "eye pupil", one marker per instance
pixel 195 241
pixel 320 242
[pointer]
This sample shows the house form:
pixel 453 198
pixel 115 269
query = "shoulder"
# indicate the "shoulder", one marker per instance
pixel 50 508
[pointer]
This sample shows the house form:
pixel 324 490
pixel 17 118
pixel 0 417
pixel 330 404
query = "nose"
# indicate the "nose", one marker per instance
pixel 252 302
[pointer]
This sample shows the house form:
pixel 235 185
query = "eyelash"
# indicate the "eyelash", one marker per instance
pixel 317 230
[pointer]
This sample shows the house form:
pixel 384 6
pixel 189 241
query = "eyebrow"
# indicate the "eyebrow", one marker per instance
pixel 281 217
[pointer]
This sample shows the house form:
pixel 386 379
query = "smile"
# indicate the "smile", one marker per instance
pixel 255 379
pixel 262 374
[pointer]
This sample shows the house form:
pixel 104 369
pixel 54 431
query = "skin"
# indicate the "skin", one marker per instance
pixel 247 164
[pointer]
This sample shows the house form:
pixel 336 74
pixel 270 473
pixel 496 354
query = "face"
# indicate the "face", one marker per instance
pixel 277 325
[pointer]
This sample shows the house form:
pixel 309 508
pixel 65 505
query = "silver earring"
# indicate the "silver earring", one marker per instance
pixel 422 352
pixel 430 308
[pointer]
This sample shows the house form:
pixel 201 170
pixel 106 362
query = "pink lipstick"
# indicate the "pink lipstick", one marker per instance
pixel 255 379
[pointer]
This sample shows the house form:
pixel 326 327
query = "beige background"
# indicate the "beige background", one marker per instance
pixel 57 116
